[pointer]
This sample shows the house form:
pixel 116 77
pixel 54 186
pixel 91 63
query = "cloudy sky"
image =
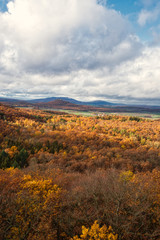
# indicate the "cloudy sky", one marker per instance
pixel 84 49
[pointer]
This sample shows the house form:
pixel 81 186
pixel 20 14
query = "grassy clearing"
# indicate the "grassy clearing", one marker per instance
pixel 90 113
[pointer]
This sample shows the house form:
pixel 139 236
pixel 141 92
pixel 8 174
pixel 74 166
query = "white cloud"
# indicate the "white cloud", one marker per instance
pixel 147 16
pixel 133 80
pixel 74 48
pixel 61 35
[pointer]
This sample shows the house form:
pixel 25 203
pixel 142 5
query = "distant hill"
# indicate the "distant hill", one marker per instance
pixel 62 104
pixel 46 100
pixel 15 102
pixel 8 100
pixel 72 104
pixel 100 103
pixel 56 103
pixel 71 100
pixel 66 105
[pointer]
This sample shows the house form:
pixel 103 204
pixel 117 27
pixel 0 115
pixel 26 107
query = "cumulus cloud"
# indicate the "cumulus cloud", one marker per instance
pixel 74 48
pixel 148 16
pixel 135 81
pixel 57 36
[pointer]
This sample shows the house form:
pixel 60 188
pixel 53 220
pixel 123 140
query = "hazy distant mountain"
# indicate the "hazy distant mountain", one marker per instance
pixel 62 104
pixel 56 103
pixel 8 100
pixel 99 103
pixel 71 100
pixel 15 102
pixel 72 104
pixel 54 98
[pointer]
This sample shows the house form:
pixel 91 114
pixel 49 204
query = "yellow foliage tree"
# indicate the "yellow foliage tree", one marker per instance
pixel 126 176
pixel 37 201
pixel 96 233
pixel 11 151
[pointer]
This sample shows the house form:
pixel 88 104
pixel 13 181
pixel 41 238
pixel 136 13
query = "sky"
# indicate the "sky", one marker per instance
pixel 83 49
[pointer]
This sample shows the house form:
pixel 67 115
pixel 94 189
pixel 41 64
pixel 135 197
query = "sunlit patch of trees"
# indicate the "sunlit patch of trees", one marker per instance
pixel 72 177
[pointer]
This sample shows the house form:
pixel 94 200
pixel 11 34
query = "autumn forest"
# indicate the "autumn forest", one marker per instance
pixel 72 177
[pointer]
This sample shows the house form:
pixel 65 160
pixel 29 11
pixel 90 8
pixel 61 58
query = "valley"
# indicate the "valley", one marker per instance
pixel 70 170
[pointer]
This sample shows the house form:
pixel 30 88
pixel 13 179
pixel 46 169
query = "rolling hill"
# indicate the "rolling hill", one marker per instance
pixel 61 104
pixel 72 104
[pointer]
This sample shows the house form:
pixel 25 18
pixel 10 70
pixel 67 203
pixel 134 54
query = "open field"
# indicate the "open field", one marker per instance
pixel 90 113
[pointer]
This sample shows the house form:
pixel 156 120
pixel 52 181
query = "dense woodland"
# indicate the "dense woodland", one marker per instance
pixel 73 177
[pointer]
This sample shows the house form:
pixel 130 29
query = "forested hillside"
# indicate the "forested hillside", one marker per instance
pixel 73 177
